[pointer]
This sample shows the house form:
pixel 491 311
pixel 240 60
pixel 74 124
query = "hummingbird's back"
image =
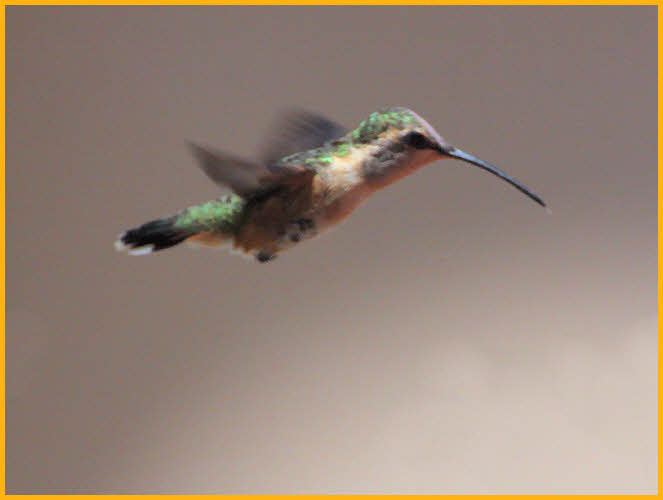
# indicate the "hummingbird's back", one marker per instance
pixel 210 223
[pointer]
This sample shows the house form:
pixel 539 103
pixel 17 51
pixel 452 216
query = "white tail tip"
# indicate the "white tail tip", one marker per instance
pixel 120 246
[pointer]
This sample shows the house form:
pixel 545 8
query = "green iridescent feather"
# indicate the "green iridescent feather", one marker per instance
pixel 367 132
pixel 381 121
pixel 218 216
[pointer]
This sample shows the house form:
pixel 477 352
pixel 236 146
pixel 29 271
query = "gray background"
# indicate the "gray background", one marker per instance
pixel 449 337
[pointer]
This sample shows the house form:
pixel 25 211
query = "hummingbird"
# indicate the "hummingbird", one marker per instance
pixel 311 175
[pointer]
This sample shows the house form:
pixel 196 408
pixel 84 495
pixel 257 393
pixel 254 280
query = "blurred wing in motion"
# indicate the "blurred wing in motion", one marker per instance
pixel 295 131
pixel 242 176
pixel 246 178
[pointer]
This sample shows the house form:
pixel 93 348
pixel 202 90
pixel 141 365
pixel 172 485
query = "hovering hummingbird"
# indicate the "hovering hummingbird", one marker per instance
pixel 311 176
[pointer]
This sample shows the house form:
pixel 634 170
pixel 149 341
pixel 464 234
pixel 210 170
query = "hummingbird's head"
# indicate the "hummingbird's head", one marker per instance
pixel 398 126
pixel 406 142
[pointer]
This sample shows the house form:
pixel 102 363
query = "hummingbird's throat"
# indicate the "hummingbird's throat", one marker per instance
pixel 390 164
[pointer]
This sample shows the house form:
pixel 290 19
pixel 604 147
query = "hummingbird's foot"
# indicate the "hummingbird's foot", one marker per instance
pixel 263 256
pixel 300 229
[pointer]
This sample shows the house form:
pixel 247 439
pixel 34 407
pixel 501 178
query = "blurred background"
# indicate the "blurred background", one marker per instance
pixel 450 337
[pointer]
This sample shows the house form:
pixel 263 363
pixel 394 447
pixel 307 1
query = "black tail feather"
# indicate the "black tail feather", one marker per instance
pixel 152 236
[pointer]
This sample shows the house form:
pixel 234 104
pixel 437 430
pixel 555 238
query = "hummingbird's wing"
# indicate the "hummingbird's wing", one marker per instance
pixel 294 131
pixel 245 178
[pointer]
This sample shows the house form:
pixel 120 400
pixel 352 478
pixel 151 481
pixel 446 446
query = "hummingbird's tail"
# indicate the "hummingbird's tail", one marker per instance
pixel 211 223
pixel 152 236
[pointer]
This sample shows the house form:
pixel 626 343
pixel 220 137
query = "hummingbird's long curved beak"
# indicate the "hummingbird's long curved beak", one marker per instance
pixel 462 155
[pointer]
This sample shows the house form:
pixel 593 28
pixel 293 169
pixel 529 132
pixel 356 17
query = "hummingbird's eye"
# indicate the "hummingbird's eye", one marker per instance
pixel 418 140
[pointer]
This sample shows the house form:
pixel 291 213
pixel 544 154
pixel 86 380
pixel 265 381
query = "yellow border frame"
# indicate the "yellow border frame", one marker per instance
pixel 327 2
pixel 342 2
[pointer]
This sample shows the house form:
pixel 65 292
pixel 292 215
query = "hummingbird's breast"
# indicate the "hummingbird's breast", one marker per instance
pixel 302 212
pixel 339 189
